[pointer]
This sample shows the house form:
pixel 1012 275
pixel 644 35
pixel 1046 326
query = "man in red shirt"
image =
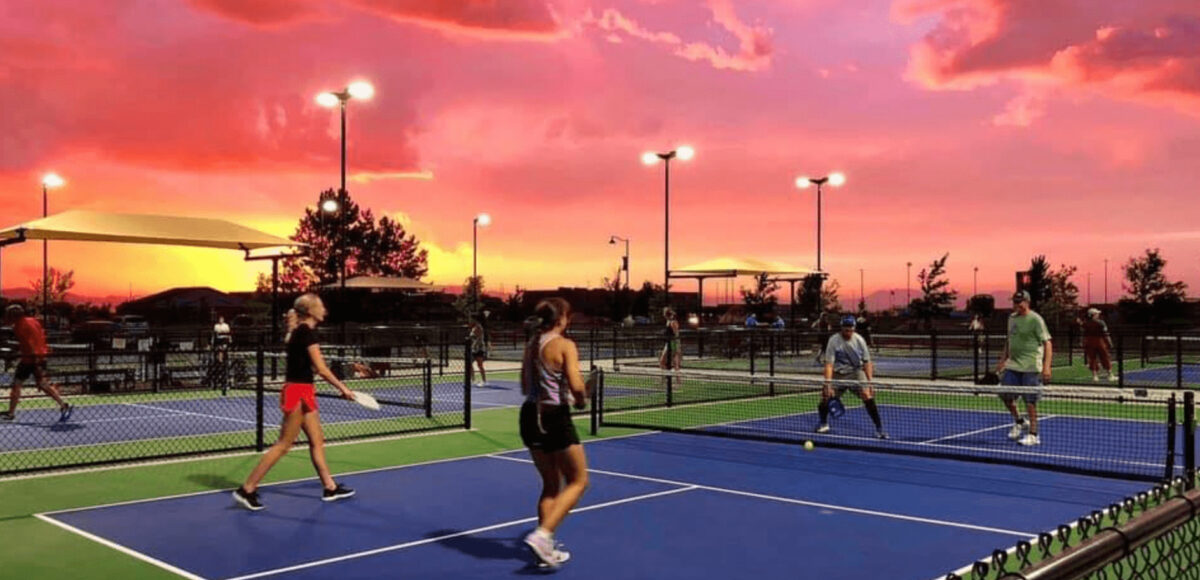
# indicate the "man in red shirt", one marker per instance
pixel 32 340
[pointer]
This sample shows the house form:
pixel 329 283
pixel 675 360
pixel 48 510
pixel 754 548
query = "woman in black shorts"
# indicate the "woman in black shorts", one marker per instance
pixel 551 381
pixel 298 402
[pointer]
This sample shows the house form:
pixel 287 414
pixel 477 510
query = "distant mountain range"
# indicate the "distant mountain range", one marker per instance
pixel 27 294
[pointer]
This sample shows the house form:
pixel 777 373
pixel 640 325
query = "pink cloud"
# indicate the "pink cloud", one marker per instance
pixel 755 44
pixel 260 12
pixel 1022 111
pixel 1137 50
pixel 489 19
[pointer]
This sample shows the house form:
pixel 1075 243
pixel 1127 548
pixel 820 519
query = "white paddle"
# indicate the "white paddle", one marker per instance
pixel 366 400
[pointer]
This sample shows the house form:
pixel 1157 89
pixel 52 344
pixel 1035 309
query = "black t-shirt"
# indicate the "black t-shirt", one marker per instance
pixel 299 362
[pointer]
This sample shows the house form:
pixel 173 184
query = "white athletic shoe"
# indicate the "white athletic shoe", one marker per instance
pixel 1112 377
pixel 561 556
pixel 1095 378
pixel 1030 440
pixel 1018 430
pixel 823 428
pixel 542 548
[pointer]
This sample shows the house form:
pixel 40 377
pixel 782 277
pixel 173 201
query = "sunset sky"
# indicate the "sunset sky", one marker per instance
pixel 991 129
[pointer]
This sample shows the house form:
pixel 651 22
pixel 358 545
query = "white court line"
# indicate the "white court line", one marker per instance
pixel 120 548
pixel 313 478
pixel 978 431
pixel 205 415
pixel 87 422
pixel 799 501
pixel 395 547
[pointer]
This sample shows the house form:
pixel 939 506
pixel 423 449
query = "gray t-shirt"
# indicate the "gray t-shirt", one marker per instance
pixel 847 356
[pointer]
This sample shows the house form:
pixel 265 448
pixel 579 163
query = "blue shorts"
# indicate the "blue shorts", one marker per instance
pixel 1021 379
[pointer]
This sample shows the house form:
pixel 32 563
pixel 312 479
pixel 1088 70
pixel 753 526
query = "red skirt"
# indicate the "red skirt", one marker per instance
pixel 303 395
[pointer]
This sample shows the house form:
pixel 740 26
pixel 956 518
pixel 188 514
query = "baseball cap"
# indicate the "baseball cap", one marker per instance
pixel 1093 311
pixel 848 321
pixel 1020 296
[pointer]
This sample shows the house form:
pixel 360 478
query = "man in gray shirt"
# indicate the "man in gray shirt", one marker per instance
pixel 847 358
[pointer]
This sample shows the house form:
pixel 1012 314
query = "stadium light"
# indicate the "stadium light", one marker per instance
pixel 836 179
pixel 684 153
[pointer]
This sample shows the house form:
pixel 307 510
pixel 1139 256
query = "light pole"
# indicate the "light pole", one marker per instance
pixel 484 220
pixel 612 240
pixel 362 91
pixel 684 153
pixel 908 287
pixel 836 180
pixel 1106 280
pixel 1089 288
pixel 50 180
pixel 862 297
pixel 975 283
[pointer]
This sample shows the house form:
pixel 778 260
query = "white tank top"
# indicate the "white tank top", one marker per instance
pixel 548 387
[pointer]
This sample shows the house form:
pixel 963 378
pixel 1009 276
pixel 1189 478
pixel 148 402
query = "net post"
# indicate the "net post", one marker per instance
pixel 600 400
pixel 1189 438
pixel 975 355
pixel 1172 424
pixel 1071 345
pixel 467 384
pixel 700 342
pixel 1120 360
pixel 595 396
pixel 933 355
pixel 259 389
pixel 427 379
pixel 1179 361
pixel 671 390
pixel 592 346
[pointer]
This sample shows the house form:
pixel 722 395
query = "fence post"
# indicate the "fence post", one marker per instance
pixel 771 344
pixel 467 384
pixel 592 347
pixel 614 347
pixel 259 389
pixel 1121 360
pixel 753 347
pixel 933 355
pixel 595 414
pixel 1070 345
pixel 1172 423
pixel 1189 438
pixel 700 342
pixel 428 389
pixel 1178 361
pixel 670 390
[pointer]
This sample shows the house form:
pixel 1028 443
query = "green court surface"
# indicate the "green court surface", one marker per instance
pixel 46 551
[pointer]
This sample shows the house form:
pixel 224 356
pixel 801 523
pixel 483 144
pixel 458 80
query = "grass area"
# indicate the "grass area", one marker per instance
pixel 49 552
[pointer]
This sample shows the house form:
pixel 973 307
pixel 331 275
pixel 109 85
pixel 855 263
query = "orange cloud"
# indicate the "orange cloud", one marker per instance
pixel 260 12
pixel 488 19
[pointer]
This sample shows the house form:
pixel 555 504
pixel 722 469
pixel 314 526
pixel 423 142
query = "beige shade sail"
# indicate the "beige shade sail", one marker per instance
pixel 93 226
pixel 733 267
pixel 383 283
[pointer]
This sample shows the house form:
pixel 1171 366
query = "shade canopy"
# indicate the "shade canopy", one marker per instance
pixel 733 267
pixel 93 226
pixel 384 283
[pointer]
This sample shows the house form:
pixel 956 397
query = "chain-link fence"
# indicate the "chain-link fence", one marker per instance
pixel 158 403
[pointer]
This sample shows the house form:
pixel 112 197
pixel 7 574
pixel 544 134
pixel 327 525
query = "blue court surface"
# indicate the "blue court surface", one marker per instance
pixel 1165 375
pixel 144 417
pixel 660 505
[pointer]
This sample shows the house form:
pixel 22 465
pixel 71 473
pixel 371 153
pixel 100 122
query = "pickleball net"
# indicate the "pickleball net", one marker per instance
pixel 1108 432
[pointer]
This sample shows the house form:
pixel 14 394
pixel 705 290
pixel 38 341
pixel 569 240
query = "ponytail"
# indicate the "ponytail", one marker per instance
pixel 545 316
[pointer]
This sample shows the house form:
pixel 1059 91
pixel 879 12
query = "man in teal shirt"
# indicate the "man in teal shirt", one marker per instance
pixel 1025 362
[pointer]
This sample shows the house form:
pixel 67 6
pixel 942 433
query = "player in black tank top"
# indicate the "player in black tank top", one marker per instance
pixel 299 404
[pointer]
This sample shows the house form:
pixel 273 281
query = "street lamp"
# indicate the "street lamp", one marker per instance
pixel 49 181
pixel 834 179
pixel 975 283
pixel 360 90
pixel 908 287
pixel 612 240
pixel 484 220
pixel 684 153
pixel 862 297
pixel 1106 280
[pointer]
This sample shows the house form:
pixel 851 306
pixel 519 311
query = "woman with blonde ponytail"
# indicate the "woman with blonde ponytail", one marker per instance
pixel 298 402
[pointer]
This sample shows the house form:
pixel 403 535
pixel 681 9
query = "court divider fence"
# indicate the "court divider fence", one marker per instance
pixel 132 406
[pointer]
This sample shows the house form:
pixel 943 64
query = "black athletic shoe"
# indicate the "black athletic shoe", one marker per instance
pixel 65 413
pixel 247 499
pixel 7 417
pixel 339 492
